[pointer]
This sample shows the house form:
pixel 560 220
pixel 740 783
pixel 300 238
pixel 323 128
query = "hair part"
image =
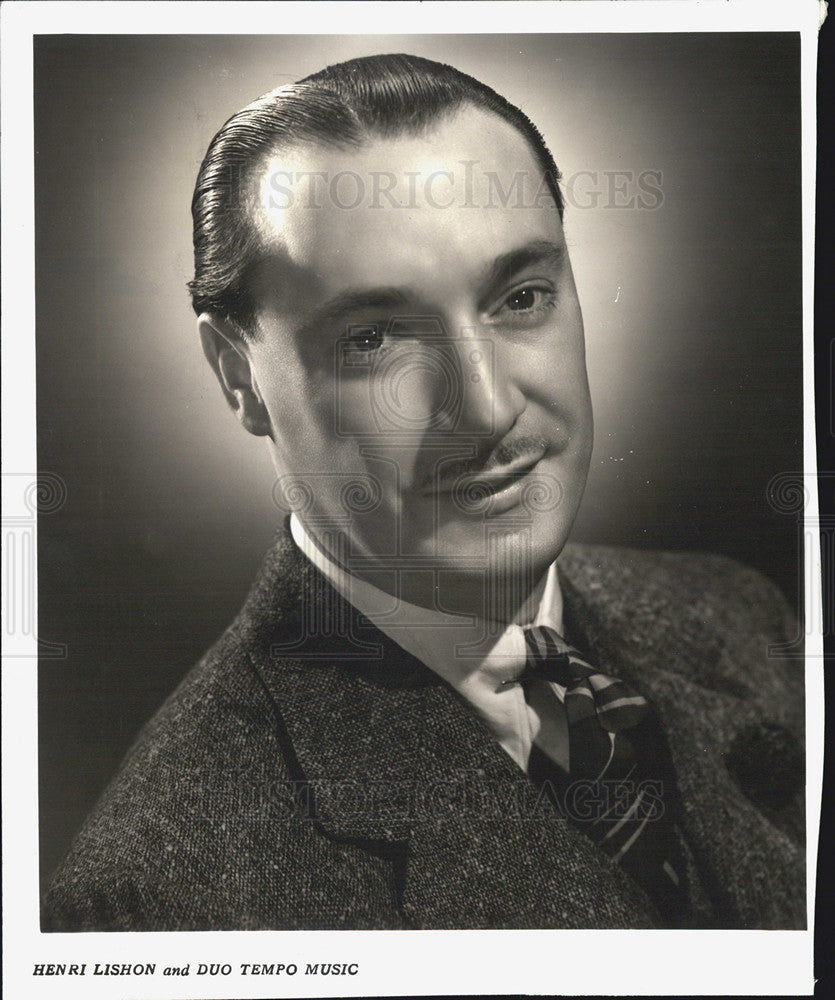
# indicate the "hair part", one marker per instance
pixel 343 105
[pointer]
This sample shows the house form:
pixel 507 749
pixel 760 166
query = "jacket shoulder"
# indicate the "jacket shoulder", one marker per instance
pixel 703 618
pixel 195 764
pixel 718 590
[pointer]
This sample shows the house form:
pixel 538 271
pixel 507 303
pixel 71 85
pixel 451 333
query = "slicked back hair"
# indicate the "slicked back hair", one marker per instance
pixel 341 106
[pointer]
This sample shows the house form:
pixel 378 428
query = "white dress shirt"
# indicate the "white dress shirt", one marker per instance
pixel 471 657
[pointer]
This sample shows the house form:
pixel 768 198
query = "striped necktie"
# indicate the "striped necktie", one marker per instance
pixel 614 790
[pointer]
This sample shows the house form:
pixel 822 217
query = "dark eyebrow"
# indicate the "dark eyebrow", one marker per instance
pixel 342 305
pixel 536 252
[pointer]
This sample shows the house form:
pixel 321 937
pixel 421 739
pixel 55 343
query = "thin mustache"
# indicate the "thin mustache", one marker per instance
pixel 489 458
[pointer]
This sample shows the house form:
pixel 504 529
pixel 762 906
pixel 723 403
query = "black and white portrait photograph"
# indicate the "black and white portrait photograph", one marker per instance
pixel 421 483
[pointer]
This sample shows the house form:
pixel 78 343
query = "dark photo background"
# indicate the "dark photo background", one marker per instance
pixel 692 311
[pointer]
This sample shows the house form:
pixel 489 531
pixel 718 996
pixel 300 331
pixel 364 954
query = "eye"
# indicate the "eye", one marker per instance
pixel 521 300
pixel 365 338
pixel 529 301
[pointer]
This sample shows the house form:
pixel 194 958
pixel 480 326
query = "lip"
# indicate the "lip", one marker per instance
pixel 493 491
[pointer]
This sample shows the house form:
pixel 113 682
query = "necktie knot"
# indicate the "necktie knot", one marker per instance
pixel 551 658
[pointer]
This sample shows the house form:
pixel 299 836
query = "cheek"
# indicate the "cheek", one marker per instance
pixel 327 437
pixel 406 388
pixel 383 406
pixel 559 370
pixel 300 403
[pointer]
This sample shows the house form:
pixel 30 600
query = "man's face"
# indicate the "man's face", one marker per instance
pixel 420 352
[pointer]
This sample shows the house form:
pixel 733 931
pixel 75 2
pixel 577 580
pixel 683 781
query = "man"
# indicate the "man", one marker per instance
pixel 422 717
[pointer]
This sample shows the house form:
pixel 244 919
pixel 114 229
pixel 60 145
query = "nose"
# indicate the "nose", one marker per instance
pixel 490 401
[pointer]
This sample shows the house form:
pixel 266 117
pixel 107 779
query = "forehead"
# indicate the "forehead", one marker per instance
pixel 403 210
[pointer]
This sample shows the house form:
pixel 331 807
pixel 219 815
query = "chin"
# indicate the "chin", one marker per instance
pixel 500 546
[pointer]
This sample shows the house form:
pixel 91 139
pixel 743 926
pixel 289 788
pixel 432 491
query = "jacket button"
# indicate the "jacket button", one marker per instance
pixel 768 763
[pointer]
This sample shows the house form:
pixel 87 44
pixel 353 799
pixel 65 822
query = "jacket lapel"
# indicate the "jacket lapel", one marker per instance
pixel 392 754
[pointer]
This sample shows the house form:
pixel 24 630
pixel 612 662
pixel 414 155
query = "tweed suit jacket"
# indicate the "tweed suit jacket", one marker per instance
pixel 308 773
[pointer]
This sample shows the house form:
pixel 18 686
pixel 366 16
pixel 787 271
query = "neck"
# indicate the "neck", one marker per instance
pixel 489 598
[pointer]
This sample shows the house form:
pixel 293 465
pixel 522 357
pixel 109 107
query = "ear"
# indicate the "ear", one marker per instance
pixel 231 361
